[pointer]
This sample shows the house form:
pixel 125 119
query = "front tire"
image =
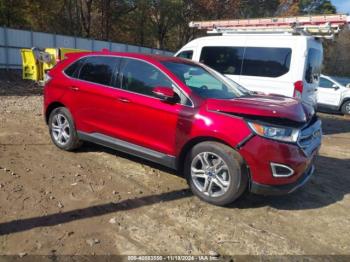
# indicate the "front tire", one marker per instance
pixel 62 129
pixel 345 109
pixel 216 173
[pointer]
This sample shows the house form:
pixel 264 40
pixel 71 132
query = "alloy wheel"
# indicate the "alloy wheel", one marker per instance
pixel 60 129
pixel 210 174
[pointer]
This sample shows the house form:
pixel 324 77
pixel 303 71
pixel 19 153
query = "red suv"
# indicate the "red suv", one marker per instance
pixel 185 116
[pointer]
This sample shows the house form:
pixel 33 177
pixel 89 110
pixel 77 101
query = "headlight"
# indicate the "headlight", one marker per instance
pixel 286 134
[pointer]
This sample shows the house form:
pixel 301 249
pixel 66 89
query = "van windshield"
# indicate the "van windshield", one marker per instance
pixel 204 81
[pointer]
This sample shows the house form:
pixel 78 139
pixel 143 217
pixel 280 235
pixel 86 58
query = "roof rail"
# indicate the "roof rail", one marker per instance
pixel 322 26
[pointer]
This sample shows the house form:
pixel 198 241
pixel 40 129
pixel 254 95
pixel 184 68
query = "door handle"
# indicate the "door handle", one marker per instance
pixel 124 100
pixel 74 88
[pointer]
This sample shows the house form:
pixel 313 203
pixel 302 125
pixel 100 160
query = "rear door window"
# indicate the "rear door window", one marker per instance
pixel 313 65
pixel 266 62
pixel 99 69
pixel 186 54
pixel 224 59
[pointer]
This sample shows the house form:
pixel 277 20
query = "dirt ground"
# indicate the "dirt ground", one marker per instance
pixel 98 201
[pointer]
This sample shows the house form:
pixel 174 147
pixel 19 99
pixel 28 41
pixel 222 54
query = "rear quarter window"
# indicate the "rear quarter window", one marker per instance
pixel 73 69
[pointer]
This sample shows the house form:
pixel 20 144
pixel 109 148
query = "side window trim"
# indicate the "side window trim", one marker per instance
pixel 190 104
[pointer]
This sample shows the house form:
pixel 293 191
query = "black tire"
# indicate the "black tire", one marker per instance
pixel 345 109
pixel 237 172
pixel 72 142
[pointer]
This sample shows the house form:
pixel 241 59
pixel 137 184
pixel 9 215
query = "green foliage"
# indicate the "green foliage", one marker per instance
pixel 11 13
pixel 258 8
pixel 317 7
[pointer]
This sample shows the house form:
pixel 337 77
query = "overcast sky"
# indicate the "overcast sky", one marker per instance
pixel 343 6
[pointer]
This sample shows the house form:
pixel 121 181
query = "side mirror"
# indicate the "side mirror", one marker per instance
pixel 166 94
pixel 336 87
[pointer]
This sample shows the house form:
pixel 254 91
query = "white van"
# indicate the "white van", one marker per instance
pixel 282 64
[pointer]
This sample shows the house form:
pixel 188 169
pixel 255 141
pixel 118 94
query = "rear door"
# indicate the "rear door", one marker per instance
pixel 96 108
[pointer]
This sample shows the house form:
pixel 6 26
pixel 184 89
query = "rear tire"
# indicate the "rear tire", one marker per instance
pixel 62 129
pixel 345 109
pixel 216 173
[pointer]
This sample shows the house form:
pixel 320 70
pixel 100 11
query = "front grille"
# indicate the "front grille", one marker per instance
pixel 310 137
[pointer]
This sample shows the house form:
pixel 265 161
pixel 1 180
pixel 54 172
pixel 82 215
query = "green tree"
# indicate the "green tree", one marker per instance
pixel 163 16
pixel 258 8
pixel 317 7
pixel 11 13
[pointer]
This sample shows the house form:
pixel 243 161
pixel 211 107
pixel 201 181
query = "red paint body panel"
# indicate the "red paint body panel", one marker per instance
pixel 260 152
pixel 167 128
pixel 262 105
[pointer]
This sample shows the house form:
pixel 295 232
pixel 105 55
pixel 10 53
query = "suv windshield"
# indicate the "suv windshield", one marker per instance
pixel 204 81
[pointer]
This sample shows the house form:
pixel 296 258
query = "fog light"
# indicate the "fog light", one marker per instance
pixel 279 170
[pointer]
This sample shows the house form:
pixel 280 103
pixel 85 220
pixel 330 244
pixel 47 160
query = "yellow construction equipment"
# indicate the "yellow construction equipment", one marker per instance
pixel 36 62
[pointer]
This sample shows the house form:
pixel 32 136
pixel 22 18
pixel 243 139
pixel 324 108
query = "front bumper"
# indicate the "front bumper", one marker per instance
pixel 259 153
pixel 261 189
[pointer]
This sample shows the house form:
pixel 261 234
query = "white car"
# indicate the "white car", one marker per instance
pixel 282 64
pixel 333 95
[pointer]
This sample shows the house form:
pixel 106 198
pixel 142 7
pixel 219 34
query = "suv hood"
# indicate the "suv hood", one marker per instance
pixel 273 106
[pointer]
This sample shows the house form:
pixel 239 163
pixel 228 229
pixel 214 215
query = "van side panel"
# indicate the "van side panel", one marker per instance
pixel 282 83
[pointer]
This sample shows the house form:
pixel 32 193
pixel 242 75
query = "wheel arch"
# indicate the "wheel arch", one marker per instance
pixel 50 108
pixel 345 100
pixel 190 144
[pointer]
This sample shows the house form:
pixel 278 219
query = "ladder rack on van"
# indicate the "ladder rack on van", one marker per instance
pixel 321 26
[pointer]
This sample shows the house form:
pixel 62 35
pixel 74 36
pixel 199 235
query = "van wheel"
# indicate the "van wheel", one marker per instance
pixel 345 109
pixel 215 173
pixel 62 129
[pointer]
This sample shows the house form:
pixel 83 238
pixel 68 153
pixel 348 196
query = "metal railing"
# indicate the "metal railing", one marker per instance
pixel 12 40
